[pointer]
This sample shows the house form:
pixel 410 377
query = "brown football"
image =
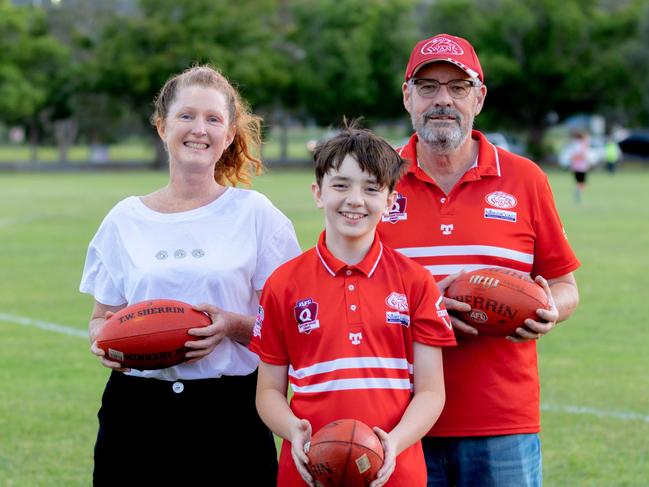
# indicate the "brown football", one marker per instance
pixel 345 452
pixel 150 334
pixel 500 299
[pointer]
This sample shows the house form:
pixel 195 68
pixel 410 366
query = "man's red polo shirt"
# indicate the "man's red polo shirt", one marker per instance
pixel 347 332
pixel 500 213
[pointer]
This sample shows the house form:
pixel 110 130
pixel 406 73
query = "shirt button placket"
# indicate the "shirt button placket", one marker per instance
pixel 352 299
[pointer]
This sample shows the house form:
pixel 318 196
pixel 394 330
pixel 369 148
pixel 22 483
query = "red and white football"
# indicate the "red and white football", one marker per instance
pixel 500 299
pixel 150 334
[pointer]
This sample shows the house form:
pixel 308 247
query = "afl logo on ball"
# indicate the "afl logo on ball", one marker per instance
pixel 500 199
pixel 478 316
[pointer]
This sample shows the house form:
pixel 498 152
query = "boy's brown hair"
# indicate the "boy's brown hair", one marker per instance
pixel 373 154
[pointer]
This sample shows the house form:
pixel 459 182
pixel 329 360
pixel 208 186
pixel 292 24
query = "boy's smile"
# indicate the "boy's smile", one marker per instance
pixel 353 203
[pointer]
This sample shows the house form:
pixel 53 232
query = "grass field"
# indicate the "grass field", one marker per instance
pixel 595 386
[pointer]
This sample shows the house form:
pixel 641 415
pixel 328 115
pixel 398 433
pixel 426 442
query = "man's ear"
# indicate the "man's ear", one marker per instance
pixel 317 195
pixel 407 99
pixel 482 94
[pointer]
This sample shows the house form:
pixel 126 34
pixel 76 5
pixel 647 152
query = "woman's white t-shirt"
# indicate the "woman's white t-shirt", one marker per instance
pixel 221 253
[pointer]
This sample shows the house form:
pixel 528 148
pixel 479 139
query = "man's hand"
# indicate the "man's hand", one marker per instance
pixel 454 305
pixel 533 330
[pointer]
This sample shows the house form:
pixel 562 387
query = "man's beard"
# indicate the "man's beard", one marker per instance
pixel 443 137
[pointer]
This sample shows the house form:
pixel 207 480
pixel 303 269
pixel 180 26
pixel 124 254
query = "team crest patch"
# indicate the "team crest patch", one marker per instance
pixel 259 320
pixel 398 211
pixel 397 301
pixel 306 315
pixel 493 214
pixel 500 199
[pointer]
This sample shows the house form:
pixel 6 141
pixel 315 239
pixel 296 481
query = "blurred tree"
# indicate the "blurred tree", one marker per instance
pixel 135 54
pixel 544 56
pixel 353 55
pixel 31 63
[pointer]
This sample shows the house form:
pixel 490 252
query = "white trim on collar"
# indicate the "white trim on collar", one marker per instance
pixel 324 263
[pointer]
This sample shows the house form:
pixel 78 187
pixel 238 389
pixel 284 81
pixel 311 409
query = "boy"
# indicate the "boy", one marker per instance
pixel 354 326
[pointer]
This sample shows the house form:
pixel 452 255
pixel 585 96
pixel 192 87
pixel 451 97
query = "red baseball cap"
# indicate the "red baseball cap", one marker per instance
pixel 444 47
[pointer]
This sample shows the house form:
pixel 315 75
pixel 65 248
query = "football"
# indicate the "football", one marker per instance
pixel 150 334
pixel 500 299
pixel 345 452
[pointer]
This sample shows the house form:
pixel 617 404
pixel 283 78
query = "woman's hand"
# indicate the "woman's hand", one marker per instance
pixel 208 336
pixel 100 353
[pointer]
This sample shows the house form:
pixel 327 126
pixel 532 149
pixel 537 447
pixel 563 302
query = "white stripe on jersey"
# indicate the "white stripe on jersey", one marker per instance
pixel 445 270
pixel 481 250
pixel 358 383
pixel 351 363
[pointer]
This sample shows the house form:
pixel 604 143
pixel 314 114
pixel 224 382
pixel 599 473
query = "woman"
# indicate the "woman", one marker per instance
pixel 199 240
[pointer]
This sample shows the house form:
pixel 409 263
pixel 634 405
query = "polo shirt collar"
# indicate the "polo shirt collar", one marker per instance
pixel 334 265
pixel 487 164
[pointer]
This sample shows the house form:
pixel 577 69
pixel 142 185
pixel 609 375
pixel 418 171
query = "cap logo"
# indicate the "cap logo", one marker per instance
pixel 442 45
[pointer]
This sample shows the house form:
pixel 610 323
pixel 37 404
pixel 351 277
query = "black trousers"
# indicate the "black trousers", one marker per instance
pixel 184 433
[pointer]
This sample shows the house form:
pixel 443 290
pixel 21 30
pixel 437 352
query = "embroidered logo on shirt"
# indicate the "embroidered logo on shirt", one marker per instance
pixel 446 229
pixel 259 320
pixel 397 301
pixel 355 338
pixel 500 199
pixel 493 214
pixel 398 210
pixel 306 315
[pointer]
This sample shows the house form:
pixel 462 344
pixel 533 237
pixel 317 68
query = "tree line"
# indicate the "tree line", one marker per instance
pixel 89 70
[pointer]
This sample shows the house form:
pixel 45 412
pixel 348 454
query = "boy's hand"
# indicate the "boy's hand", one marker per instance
pixel 389 458
pixel 300 441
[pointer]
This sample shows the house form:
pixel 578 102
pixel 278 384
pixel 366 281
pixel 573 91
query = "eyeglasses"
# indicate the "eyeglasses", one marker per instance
pixel 457 88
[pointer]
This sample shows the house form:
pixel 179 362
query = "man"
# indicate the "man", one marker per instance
pixel 465 204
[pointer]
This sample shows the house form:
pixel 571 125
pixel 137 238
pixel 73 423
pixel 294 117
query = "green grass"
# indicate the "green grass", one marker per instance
pixel 51 385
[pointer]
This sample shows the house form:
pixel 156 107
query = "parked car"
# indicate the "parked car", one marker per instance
pixel 636 144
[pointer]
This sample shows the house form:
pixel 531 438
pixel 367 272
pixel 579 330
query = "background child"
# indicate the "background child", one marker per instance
pixel 352 325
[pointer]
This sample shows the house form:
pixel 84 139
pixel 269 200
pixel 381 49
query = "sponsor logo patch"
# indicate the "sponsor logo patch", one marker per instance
pixel 397 318
pixel 259 320
pixel 500 199
pixel 493 214
pixel 443 313
pixel 398 210
pixel 306 315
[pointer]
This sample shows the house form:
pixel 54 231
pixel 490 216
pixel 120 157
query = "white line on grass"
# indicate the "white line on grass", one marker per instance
pixel 9 221
pixel 44 325
pixel 624 415
pixel 552 408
